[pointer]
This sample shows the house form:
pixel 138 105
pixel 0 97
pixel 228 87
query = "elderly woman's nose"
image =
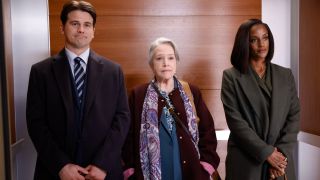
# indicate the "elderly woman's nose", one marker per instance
pixel 165 61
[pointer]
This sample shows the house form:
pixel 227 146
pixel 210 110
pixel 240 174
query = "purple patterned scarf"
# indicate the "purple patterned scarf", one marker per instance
pixel 149 132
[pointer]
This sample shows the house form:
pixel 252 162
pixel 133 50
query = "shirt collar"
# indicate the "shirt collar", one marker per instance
pixel 84 56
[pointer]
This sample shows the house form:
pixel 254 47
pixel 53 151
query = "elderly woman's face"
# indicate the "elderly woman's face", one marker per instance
pixel 164 62
pixel 259 42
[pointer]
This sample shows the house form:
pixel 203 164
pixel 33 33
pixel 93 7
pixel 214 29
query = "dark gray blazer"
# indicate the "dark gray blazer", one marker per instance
pixel 51 116
pixel 254 131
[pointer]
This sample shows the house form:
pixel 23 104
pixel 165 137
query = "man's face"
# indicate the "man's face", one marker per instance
pixel 78 30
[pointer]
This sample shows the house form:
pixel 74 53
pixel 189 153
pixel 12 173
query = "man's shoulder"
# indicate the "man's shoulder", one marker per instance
pixel 44 63
pixel 103 60
pixel 49 60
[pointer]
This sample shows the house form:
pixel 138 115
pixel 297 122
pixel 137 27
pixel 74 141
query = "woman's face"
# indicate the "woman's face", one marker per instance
pixel 163 62
pixel 259 42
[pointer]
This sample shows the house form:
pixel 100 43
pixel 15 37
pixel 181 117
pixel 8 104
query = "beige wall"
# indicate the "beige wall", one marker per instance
pixel 26 42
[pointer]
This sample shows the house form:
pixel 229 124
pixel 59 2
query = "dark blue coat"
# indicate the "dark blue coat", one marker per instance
pixel 51 116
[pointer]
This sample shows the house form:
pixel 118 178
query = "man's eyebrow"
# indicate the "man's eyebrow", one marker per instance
pixel 74 21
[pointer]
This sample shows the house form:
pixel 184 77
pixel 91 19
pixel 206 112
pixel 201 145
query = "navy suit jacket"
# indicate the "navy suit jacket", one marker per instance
pixel 51 116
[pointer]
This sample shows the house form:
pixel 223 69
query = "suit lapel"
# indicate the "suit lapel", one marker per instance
pixel 94 76
pixel 61 73
pixel 251 90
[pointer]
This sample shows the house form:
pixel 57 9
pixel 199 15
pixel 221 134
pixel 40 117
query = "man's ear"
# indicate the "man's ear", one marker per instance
pixel 62 29
pixel 94 30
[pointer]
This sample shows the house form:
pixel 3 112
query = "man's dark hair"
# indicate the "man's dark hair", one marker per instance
pixel 240 55
pixel 77 5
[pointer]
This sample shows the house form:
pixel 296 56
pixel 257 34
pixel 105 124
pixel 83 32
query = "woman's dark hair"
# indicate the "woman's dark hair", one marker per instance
pixel 240 55
pixel 77 5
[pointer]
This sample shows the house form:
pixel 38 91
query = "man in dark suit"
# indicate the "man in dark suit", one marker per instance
pixel 77 110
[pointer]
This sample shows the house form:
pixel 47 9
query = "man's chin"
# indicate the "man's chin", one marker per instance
pixel 81 46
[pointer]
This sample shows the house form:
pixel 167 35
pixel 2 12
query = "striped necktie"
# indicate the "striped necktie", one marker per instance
pixel 79 76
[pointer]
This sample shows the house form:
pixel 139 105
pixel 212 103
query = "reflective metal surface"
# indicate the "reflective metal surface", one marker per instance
pixel 30 44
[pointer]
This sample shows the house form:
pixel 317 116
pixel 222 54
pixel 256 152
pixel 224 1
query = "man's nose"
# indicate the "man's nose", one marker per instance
pixel 80 29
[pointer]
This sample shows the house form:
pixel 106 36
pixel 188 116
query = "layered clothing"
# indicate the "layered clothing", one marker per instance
pixel 144 139
pixel 63 131
pixel 261 116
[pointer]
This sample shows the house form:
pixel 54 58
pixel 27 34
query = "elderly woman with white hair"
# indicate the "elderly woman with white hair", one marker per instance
pixel 172 134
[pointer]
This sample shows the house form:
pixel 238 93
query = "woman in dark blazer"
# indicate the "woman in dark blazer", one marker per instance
pixel 159 146
pixel 261 107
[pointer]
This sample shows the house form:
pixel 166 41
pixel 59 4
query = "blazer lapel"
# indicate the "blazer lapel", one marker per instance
pixel 251 89
pixel 94 74
pixel 277 102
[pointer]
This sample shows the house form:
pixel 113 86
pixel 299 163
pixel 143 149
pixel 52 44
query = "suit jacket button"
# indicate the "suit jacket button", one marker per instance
pixel 178 113
pixel 180 137
pixel 184 162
